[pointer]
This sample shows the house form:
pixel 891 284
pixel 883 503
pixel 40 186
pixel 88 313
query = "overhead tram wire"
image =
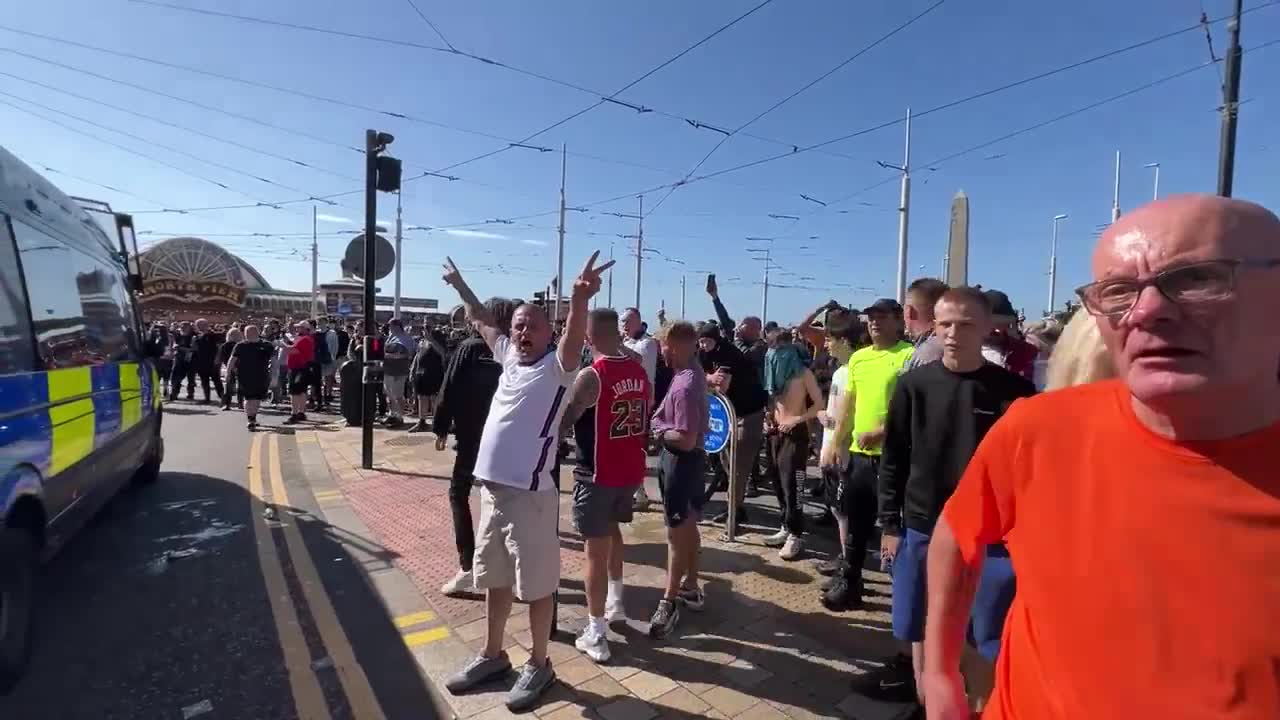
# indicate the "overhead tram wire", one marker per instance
pixel 316 98
pixel 795 150
pixel 742 166
pixel 1036 126
pixel 611 97
pixel 864 50
pixel 432 25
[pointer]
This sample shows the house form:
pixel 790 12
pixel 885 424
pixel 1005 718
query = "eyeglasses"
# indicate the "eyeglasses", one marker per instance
pixel 1202 282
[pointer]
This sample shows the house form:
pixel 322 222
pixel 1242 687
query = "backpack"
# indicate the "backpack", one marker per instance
pixel 344 342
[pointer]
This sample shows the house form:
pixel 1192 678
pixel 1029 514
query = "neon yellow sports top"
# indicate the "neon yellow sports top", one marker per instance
pixel 873 374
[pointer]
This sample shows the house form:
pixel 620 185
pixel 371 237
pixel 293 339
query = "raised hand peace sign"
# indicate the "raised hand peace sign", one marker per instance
pixel 588 282
pixel 452 275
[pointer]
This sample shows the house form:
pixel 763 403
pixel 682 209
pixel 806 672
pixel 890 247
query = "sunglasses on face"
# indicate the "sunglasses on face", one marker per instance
pixel 1195 283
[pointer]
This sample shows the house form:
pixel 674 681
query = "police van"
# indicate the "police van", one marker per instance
pixel 80 404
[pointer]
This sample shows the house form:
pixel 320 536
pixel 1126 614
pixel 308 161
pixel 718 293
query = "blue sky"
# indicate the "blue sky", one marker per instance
pixel 958 49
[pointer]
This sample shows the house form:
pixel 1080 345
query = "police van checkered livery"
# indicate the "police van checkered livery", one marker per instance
pixel 80 404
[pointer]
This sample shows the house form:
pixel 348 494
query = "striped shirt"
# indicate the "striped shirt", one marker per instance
pixel 518 446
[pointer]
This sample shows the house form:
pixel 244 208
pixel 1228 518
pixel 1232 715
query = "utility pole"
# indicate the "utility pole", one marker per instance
pixel 904 210
pixel 639 249
pixel 609 300
pixel 1155 190
pixel 315 267
pixel 1115 194
pixel 764 302
pixel 1230 104
pixel 564 162
pixel 395 301
pixel 1053 264
pixel 381 173
pixel 683 278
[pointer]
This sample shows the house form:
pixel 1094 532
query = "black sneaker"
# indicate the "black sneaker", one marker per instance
pixel 664 619
pixel 252 424
pixel 692 598
pixel 302 416
pixel 827 568
pixel 895 682
pixel 294 419
pixel 842 596
pixel 420 426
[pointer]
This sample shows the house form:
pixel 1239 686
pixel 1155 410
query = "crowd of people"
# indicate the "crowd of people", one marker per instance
pixel 1051 500
pixel 1080 516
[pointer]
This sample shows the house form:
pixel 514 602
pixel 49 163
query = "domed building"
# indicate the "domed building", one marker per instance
pixel 185 278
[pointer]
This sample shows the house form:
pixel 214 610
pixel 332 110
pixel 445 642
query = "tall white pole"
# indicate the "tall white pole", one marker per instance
pixel 395 300
pixel 683 278
pixel 764 301
pixel 1155 190
pixel 904 211
pixel 1053 265
pixel 1115 196
pixel 315 267
pixel 639 250
pixel 564 160
pixel 609 300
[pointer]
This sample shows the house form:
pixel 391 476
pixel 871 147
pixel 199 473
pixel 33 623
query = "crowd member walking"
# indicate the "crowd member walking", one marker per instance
pixel 325 365
pixel 234 336
pixel 465 396
pixel 204 359
pixel 635 336
pixel 250 363
pixel 517 545
pixel 427 372
pixel 733 373
pixel 794 400
pixel 679 425
pixel 398 353
pixel 938 415
pixel 1178 452
pixel 609 414
pixel 873 373
pixel 299 356
pixel 184 348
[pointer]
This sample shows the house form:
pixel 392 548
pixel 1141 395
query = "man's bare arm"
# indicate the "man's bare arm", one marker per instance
pixel 476 310
pixel 586 391
pixel 815 396
pixel 844 425
pixel 952 585
pixel 587 285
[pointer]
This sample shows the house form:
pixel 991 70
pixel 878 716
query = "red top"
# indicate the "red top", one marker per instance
pixel 621 422
pixel 302 353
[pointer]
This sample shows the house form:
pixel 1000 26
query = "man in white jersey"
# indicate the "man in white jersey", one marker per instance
pixel 517 546
pixel 635 339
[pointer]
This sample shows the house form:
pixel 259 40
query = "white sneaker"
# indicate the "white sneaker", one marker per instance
pixel 464 583
pixel 641 501
pixel 792 549
pixel 594 643
pixel 777 539
pixel 614 612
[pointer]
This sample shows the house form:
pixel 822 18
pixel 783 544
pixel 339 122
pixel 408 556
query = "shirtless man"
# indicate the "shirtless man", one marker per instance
pixel 794 401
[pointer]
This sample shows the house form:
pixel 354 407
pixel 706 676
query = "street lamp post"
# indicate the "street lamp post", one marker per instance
pixel 1053 264
pixel 1155 190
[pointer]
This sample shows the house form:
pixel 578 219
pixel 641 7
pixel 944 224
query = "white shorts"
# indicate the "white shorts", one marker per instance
pixel 517 543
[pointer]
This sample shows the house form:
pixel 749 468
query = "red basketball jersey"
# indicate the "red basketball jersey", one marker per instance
pixel 621 422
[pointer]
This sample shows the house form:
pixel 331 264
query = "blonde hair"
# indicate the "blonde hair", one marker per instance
pixel 1079 356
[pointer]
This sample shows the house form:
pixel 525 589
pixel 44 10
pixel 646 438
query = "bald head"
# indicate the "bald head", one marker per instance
pixel 1193 281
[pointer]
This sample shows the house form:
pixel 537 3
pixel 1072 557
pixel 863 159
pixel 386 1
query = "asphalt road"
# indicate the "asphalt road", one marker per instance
pixel 162 606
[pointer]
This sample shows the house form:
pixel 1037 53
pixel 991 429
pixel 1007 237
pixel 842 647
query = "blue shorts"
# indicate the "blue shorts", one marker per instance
pixel 990 605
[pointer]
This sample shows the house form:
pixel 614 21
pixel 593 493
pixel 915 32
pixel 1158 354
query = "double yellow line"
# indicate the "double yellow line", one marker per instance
pixel 303 682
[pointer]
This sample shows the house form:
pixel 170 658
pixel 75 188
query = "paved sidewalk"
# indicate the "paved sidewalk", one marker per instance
pixel 763 648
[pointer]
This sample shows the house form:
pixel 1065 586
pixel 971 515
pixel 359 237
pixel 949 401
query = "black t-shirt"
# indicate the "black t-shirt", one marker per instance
pixel 936 419
pixel 253 360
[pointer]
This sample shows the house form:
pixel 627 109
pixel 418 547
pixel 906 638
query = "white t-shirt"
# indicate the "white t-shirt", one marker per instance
pixel 518 446
pixel 839 386
pixel 647 348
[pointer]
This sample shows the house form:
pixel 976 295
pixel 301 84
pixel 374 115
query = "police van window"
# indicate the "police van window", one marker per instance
pixel 15 325
pixel 76 312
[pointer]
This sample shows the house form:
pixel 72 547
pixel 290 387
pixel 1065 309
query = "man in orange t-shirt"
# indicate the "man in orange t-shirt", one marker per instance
pixel 1142 514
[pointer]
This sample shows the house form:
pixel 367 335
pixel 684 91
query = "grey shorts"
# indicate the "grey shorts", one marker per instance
pixel 597 508
pixel 394 386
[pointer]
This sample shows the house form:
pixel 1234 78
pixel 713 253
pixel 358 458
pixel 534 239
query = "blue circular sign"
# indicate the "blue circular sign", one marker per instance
pixel 718 426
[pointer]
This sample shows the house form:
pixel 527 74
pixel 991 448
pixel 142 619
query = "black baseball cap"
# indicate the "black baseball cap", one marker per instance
pixel 883 305
pixel 1000 305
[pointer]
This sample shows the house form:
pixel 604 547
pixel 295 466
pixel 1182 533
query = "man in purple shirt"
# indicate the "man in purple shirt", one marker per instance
pixel 679 426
